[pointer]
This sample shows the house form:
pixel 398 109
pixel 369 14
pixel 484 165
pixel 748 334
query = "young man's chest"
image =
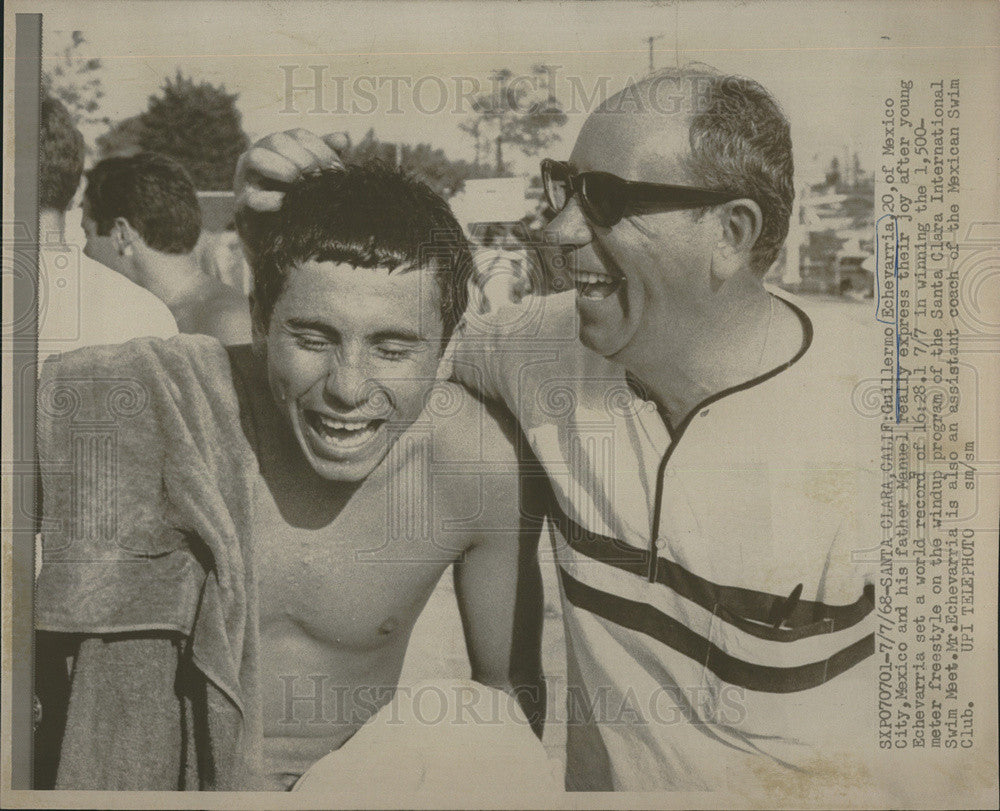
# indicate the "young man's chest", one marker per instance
pixel 344 572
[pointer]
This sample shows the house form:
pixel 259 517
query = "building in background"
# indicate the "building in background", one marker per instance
pixel 831 235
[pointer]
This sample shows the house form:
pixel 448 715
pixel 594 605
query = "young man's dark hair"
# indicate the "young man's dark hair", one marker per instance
pixel 60 159
pixel 369 216
pixel 153 193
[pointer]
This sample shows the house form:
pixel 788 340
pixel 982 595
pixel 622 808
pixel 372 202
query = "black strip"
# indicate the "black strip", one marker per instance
pixel 645 619
pixel 21 352
pixel 675 435
pixel 750 611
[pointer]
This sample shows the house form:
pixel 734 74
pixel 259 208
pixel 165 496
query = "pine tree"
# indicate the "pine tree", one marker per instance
pixel 523 114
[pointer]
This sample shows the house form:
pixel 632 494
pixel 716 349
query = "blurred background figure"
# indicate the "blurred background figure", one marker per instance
pixel 221 257
pixel 80 302
pixel 502 265
pixel 218 250
pixel 142 219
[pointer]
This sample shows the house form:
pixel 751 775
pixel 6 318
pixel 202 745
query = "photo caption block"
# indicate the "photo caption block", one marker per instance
pixel 927 562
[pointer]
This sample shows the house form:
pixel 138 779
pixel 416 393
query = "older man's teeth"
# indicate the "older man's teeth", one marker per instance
pixel 595 285
pixel 593 278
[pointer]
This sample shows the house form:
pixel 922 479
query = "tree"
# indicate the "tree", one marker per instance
pixel 521 111
pixel 833 173
pixel 197 125
pixel 124 138
pixel 431 165
pixel 74 79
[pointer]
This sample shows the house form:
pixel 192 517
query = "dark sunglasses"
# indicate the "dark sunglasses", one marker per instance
pixel 606 198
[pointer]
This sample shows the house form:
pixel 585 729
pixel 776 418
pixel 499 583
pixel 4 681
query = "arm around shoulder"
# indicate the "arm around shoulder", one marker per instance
pixel 498 582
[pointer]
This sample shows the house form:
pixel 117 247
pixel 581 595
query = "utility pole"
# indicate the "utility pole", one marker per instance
pixel 651 40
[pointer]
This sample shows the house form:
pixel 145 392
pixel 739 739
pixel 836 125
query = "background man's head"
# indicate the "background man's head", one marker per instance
pixel 60 156
pixel 137 206
pixel 358 281
pixel 693 127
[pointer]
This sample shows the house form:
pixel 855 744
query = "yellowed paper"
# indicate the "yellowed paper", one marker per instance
pixel 895 230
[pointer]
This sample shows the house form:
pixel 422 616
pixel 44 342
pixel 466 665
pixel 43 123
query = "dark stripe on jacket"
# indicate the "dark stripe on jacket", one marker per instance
pixel 646 619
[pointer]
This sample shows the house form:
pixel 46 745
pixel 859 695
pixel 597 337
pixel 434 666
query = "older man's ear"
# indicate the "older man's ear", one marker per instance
pixel 740 224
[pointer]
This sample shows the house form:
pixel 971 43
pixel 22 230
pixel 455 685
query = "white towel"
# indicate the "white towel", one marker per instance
pixel 440 739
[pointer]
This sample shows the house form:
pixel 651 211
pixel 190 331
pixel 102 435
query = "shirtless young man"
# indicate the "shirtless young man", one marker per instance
pixel 425 475
pixel 372 477
pixel 142 219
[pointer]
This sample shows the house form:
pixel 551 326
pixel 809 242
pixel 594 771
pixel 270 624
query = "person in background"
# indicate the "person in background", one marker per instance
pixel 501 265
pixel 219 251
pixel 220 255
pixel 80 302
pixel 142 219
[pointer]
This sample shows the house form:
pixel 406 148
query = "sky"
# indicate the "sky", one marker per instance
pixel 821 61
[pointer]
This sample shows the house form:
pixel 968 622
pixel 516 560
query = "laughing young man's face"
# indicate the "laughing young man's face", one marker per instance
pixel 351 355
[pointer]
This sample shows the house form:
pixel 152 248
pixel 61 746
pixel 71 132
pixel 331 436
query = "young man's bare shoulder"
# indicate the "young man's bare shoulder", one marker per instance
pixel 226 315
pixel 468 429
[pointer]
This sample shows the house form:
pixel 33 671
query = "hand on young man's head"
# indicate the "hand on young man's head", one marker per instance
pixel 264 170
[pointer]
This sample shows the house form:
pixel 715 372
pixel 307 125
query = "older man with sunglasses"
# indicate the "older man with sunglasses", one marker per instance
pixel 712 478
pixel 713 490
